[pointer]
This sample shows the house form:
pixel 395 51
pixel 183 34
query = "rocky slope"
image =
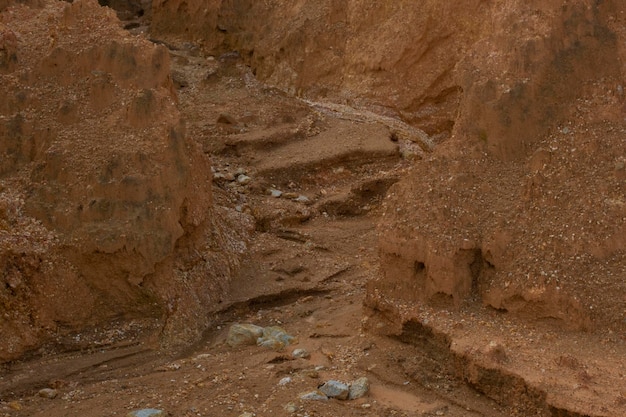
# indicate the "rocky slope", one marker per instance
pixel 531 184
pixel 521 211
pixel 524 207
pixel 105 204
pixel 397 58
pixel 501 244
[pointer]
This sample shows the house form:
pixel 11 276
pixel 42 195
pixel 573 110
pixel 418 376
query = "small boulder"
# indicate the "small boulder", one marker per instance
pixel 48 393
pixel 275 338
pixel 243 334
pixel 314 396
pixel 335 389
pixel 358 388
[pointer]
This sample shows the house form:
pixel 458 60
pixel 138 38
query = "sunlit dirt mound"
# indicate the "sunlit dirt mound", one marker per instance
pixel 105 205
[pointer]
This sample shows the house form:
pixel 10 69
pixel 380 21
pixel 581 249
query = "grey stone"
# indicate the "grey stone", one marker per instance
pixel 243 334
pixel 275 338
pixel 291 408
pixel 335 389
pixel 243 179
pixel 275 193
pixel 314 396
pixel 218 176
pixel 48 393
pixel 146 412
pixel 301 353
pixel 358 388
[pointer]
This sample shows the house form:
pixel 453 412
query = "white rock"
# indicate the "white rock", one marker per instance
pixel 301 353
pixel 146 412
pixel 275 193
pixel 48 393
pixel 243 179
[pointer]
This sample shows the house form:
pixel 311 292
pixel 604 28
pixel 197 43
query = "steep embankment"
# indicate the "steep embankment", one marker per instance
pixel 397 58
pixel 511 238
pixel 105 205
pixel 531 184
pixel 524 208
pixel 518 221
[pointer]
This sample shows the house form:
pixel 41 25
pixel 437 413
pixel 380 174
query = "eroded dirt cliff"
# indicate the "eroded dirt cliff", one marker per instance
pixel 494 129
pixel 532 95
pixel 105 202
pixel 523 208
pixel 397 58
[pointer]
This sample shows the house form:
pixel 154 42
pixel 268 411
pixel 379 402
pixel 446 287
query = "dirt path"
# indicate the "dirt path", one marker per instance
pixel 308 180
pixel 311 182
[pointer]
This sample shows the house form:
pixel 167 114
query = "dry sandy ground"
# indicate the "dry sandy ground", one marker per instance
pixel 314 250
pixel 307 270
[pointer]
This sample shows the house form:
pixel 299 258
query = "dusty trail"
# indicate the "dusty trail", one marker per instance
pixel 313 251
pixel 308 179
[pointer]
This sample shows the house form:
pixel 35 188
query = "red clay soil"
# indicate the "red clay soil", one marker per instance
pixel 432 196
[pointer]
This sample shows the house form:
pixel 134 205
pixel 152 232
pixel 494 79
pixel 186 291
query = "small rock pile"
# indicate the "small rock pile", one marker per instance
pixel 272 337
pixel 339 390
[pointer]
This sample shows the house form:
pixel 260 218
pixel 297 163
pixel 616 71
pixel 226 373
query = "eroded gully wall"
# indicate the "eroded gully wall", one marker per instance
pixel 105 206
pixel 523 208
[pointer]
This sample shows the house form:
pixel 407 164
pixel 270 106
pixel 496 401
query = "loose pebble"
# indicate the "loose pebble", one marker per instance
pixel 301 353
pixel 314 396
pixel 48 393
pixel 146 412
